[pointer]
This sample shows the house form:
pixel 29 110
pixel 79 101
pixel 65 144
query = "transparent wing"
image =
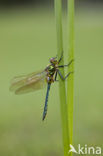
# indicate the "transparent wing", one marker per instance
pixel 28 83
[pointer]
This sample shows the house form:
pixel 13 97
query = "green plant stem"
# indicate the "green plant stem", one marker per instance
pixel 62 92
pixel 70 83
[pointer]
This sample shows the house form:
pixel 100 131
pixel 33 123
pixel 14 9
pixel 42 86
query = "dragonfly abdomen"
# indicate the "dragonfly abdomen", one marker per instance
pixel 46 101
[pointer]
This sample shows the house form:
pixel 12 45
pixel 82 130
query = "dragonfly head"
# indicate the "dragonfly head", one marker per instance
pixel 53 60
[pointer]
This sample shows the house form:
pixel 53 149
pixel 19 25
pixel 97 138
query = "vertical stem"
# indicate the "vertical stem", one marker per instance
pixel 70 83
pixel 62 92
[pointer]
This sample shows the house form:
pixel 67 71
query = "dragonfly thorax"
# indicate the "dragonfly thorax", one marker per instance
pixel 51 69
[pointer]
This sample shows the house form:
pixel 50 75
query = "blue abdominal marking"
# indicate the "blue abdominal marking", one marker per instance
pixel 46 101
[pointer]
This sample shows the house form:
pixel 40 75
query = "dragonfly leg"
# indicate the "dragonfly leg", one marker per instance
pixel 62 77
pixel 46 101
pixel 62 66
pixel 56 77
pixel 61 57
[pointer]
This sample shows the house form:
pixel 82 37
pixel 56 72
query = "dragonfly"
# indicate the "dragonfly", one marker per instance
pixel 38 80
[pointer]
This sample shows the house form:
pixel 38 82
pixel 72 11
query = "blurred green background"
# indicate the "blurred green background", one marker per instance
pixel 27 41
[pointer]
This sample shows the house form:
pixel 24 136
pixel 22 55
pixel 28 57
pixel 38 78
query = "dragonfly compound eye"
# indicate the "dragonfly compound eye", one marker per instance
pixel 52 60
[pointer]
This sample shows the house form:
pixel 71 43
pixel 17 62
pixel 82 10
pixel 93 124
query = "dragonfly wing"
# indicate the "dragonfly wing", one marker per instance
pixel 17 82
pixel 28 83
